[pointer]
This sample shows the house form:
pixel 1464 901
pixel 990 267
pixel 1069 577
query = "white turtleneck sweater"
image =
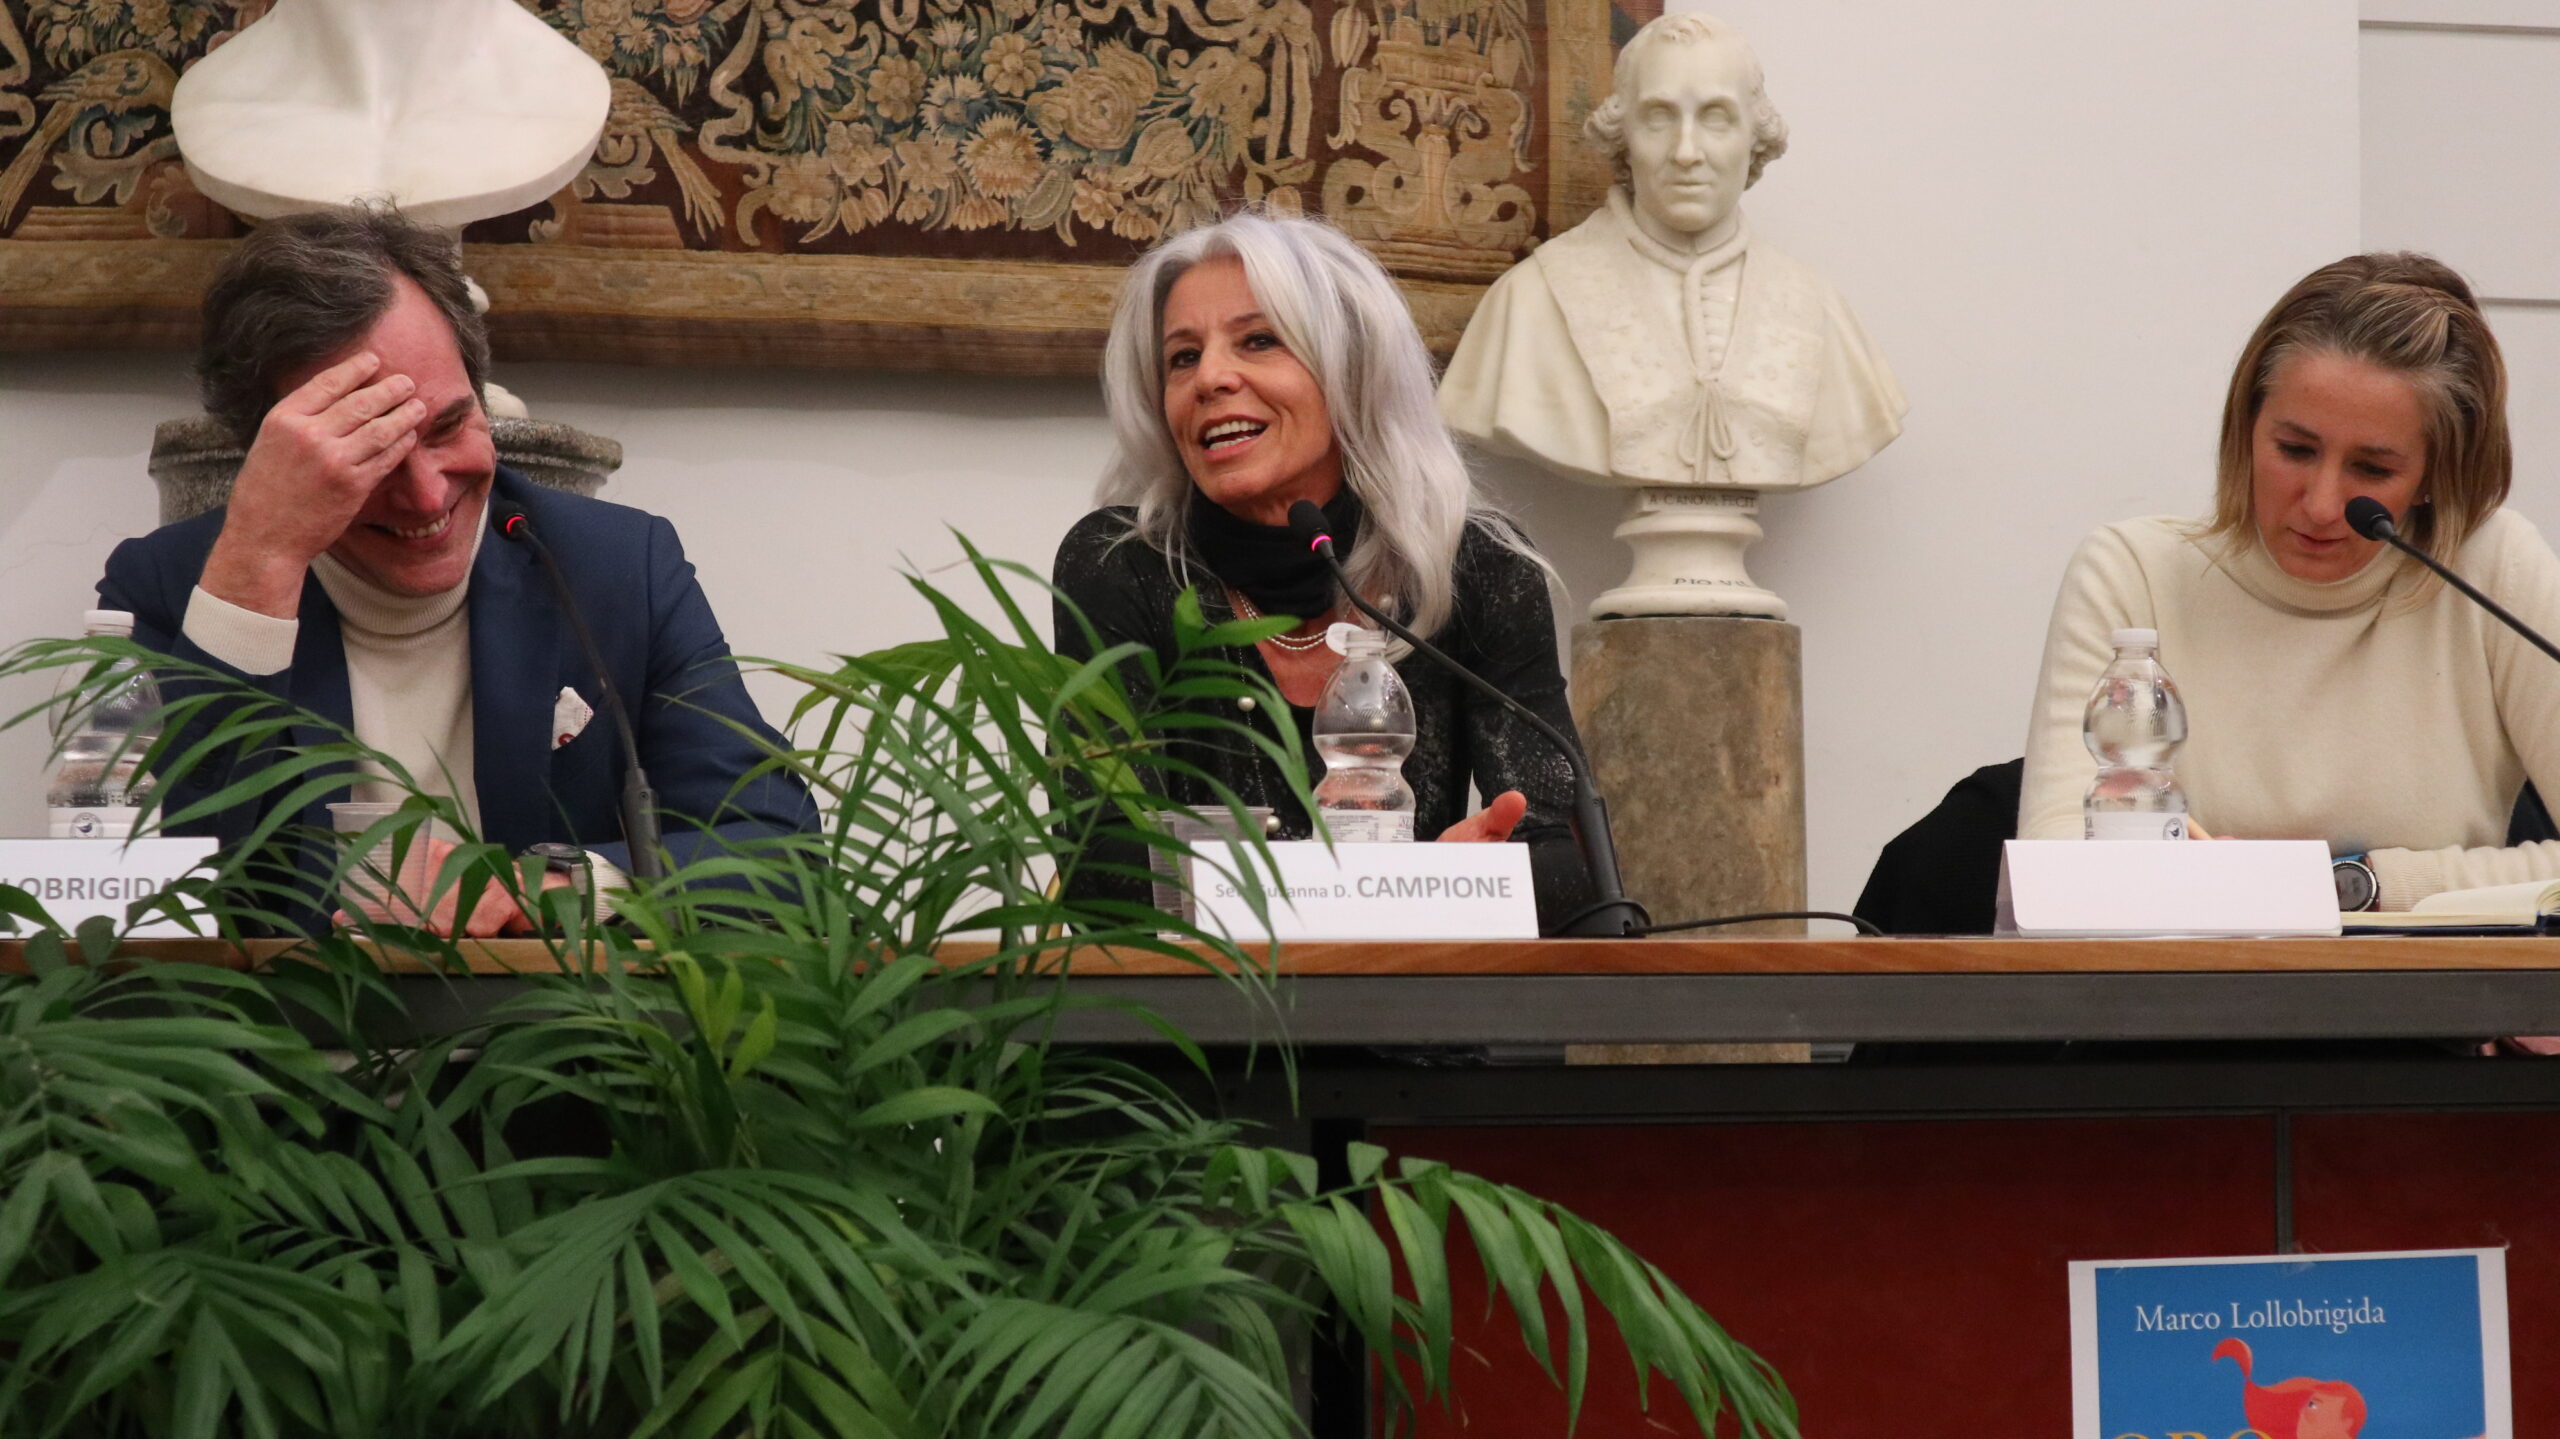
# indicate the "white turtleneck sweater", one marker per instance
pixel 408 672
pixel 2382 713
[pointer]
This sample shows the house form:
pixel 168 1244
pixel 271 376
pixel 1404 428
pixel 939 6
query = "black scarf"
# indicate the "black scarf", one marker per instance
pixel 1270 565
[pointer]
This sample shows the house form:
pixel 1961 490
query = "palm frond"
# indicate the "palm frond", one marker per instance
pixel 764 1159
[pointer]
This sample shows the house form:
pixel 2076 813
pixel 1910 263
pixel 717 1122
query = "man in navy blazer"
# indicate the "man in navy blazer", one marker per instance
pixel 354 572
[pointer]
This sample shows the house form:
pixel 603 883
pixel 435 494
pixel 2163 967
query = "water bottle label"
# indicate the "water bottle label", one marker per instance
pixel 94 821
pixel 2136 824
pixel 1369 826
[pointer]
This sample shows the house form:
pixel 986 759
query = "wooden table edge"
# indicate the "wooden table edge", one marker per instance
pixel 1603 957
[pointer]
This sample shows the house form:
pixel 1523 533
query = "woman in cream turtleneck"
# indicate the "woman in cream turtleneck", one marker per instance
pixel 2334 689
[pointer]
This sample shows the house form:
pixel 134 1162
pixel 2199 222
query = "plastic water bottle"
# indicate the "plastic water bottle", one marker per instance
pixel 1364 729
pixel 2134 727
pixel 97 781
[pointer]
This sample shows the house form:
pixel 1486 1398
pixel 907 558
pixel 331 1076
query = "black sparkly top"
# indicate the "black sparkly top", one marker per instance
pixel 1502 627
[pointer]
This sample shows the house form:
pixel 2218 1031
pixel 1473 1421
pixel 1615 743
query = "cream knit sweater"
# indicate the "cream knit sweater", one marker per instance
pixel 2380 713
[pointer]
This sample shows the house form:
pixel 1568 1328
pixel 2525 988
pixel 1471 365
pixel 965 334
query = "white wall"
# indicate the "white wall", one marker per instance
pixel 74 430
pixel 2461 139
pixel 2060 222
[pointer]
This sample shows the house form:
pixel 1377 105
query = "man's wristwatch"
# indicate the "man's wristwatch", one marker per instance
pixel 2357 888
pixel 568 859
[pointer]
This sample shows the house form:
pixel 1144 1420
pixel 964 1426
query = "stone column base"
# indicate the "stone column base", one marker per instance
pixel 1689 542
pixel 1695 729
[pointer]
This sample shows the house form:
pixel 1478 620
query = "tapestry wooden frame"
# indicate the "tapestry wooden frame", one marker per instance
pixel 901 184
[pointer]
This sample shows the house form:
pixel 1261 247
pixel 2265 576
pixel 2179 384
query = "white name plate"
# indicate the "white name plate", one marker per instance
pixel 1376 891
pixel 77 879
pixel 2080 889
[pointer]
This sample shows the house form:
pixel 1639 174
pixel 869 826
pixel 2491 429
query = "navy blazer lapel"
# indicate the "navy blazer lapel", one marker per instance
pixel 319 682
pixel 515 680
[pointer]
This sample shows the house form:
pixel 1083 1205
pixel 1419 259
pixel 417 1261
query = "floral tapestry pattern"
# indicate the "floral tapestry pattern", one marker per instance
pixel 847 161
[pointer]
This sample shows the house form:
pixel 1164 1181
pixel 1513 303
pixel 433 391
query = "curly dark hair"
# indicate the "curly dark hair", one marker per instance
pixel 304 286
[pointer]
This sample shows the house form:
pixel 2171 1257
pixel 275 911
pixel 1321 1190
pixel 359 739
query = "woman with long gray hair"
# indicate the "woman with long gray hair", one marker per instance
pixel 1261 361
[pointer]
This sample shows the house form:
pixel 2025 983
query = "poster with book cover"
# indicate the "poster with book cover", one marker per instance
pixel 2407 1345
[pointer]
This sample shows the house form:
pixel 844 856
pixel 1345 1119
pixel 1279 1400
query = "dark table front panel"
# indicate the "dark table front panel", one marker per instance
pixel 1907 1279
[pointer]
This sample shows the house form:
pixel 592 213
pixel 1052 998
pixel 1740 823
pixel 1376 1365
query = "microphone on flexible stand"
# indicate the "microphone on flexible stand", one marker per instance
pixel 2369 517
pixel 1613 914
pixel 639 801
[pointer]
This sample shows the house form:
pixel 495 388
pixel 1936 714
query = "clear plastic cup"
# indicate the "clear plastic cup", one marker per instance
pixel 1201 826
pixel 370 887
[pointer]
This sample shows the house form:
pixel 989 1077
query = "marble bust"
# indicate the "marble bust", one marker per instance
pixel 455 110
pixel 1661 348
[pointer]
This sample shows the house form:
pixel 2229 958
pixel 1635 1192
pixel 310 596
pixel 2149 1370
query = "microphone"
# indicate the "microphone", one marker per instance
pixel 1613 914
pixel 639 801
pixel 2368 517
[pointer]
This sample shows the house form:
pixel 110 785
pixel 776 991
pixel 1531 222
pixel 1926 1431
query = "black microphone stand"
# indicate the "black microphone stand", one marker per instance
pixel 2368 517
pixel 639 801
pixel 1613 915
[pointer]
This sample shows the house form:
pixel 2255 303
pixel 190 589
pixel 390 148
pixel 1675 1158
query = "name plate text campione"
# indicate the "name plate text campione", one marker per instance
pixel 1374 891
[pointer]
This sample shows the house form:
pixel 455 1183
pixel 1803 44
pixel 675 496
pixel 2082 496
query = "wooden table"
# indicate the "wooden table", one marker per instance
pixel 1546 993
pixel 1410 1044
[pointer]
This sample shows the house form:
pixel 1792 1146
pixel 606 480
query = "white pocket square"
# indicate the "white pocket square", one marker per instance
pixel 569 716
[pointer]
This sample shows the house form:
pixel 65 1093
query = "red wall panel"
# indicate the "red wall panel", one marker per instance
pixel 2448 1181
pixel 1906 1278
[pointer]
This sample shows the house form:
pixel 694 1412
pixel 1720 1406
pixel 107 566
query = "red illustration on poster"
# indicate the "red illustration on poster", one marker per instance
pixel 2295 1408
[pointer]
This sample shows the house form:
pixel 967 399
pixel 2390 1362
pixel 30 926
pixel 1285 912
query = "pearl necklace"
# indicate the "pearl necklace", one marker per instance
pixel 1297 645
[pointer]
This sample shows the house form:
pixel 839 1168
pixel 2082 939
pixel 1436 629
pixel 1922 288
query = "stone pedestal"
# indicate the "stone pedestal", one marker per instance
pixel 1695 728
pixel 194 460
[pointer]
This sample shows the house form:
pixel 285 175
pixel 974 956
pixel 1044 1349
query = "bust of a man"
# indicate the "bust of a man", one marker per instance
pixel 1659 347
pixel 454 110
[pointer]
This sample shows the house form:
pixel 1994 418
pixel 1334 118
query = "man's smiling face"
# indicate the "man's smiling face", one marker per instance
pixel 416 532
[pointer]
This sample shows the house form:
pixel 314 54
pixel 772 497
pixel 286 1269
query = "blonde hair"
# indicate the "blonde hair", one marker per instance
pixel 1342 317
pixel 2409 314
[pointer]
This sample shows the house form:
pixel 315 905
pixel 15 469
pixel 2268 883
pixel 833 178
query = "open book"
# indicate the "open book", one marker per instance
pixel 2517 904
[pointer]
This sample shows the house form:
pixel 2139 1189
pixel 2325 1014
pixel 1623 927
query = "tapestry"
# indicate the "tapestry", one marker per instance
pixel 942 184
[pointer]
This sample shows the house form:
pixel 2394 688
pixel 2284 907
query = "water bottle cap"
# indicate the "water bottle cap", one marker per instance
pixel 2130 639
pixel 108 622
pixel 1346 638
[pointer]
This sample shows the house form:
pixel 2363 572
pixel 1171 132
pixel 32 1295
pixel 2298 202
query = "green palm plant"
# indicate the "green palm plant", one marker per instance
pixel 789 1153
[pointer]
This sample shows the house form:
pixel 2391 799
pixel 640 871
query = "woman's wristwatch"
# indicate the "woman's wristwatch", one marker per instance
pixel 2357 888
